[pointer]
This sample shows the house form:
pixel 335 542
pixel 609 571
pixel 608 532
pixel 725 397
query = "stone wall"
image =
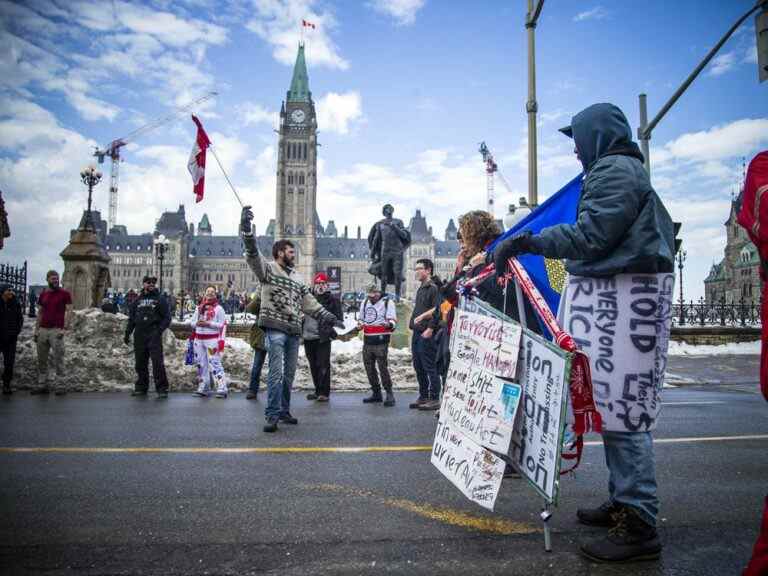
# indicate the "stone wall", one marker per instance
pixel 714 335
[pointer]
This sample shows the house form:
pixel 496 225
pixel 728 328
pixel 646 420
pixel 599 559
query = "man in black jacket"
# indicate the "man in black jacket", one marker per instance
pixel 149 315
pixel 318 337
pixel 11 321
pixel 423 345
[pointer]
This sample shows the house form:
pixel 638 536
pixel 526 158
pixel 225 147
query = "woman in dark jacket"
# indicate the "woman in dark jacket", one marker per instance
pixel 11 321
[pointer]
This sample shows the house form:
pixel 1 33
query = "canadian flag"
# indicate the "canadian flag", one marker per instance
pixel 307 24
pixel 196 164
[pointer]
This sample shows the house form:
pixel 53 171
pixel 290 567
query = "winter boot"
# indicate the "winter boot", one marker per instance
pixel 139 393
pixel 390 400
pixel 374 398
pixel 631 539
pixel 600 516
pixel 271 425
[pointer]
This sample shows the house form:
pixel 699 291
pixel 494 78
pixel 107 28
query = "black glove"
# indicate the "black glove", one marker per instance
pixel 514 246
pixel 127 339
pixel 246 216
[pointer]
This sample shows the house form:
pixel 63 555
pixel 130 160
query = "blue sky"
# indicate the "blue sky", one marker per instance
pixel 405 91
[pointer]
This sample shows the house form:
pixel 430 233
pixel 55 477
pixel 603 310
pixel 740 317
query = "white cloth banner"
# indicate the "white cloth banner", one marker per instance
pixel 623 323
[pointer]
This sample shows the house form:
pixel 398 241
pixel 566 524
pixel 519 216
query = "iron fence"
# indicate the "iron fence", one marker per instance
pixel 16 278
pixel 702 313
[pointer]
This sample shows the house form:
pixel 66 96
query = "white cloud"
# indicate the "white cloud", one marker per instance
pixel 403 11
pixel 251 113
pixel 335 112
pixel 719 142
pixel 722 63
pixel 750 55
pixel 278 22
pixel 596 13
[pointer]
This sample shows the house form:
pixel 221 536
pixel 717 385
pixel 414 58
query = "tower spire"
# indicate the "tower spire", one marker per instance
pixel 299 91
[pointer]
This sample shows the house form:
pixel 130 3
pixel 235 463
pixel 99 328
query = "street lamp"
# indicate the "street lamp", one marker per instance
pixel 90 177
pixel 680 262
pixel 161 246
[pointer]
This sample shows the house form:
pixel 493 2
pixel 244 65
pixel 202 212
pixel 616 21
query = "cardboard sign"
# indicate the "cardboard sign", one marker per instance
pixel 537 437
pixel 623 324
pixel 474 470
pixel 542 373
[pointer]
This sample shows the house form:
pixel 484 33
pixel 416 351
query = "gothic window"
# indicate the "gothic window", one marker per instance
pixel 287 228
pixel 290 177
pixel 299 230
pixel 294 151
pixel 288 150
pixel 301 179
pixel 304 150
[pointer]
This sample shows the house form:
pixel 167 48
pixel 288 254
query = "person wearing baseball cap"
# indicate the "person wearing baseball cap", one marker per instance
pixel 317 339
pixel 149 315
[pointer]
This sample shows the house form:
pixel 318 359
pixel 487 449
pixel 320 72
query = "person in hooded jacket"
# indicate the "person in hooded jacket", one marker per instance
pixel 11 321
pixel 621 227
pixel 317 339
pixel 149 315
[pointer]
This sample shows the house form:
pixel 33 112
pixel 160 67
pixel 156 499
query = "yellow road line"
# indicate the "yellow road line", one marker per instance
pixel 490 524
pixel 214 450
pixel 308 449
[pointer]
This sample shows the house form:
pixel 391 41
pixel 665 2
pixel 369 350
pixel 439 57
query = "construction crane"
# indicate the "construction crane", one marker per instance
pixel 491 170
pixel 112 150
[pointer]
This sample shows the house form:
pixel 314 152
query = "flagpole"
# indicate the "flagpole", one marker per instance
pixel 210 147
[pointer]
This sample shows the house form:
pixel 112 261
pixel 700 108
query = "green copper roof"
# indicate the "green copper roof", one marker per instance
pixel 204 223
pixel 299 91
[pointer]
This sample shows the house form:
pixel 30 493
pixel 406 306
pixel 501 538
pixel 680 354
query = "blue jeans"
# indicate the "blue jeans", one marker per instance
pixel 424 352
pixel 258 363
pixel 283 350
pixel 632 472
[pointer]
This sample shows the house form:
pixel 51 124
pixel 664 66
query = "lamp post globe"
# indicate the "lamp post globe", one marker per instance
pixel 90 177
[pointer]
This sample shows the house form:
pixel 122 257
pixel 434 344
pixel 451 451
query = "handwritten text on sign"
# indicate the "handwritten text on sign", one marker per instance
pixel 536 439
pixel 475 471
pixel 472 402
pixel 623 324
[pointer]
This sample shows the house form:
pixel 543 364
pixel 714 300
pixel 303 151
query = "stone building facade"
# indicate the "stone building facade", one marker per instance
pixel 196 258
pixel 736 277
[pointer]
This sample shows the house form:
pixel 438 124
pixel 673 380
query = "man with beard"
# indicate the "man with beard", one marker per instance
pixel 11 321
pixel 317 339
pixel 387 242
pixel 284 298
pixel 149 315
pixel 53 320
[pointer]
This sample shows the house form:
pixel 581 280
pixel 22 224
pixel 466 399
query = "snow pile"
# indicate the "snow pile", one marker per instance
pixel 731 349
pixel 97 360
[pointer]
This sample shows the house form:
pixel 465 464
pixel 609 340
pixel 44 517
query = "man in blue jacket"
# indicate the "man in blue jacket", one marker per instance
pixel 621 228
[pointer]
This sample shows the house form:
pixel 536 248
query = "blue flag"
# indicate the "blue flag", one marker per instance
pixel 560 208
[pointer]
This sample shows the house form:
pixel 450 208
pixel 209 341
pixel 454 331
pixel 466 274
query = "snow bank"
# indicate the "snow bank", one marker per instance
pixel 735 349
pixel 97 360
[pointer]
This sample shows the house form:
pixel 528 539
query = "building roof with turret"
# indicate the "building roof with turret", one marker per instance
pixel 205 226
pixel 172 224
pixel 418 228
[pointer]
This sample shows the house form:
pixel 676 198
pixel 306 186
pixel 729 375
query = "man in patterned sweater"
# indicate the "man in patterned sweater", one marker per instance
pixel 284 300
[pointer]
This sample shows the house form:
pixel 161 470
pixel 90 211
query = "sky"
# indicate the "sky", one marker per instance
pixel 405 91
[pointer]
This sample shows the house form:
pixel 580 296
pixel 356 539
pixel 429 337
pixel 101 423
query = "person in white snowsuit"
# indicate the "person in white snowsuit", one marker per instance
pixel 209 323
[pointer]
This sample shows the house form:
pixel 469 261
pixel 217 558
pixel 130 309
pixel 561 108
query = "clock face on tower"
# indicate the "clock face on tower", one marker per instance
pixel 297 116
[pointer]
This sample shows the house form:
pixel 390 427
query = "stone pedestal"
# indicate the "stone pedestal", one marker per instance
pixel 86 269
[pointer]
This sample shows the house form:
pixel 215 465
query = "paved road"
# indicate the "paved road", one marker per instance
pixel 276 510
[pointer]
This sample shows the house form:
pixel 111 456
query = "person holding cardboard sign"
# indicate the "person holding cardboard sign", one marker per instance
pixel 620 257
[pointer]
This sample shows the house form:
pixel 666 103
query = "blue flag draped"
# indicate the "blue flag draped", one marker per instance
pixel 560 208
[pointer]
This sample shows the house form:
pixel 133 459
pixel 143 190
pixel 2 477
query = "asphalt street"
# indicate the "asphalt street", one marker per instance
pixel 109 484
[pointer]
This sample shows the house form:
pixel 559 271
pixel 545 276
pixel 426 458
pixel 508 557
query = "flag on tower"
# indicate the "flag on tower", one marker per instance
pixel 306 24
pixel 196 164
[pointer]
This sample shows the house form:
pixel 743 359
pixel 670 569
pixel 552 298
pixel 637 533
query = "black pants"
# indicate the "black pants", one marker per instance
pixel 376 355
pixel 146 347
pixel 319 358
pixel 8 350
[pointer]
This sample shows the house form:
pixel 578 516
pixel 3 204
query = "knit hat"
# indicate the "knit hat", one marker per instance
pixel 320 277
pixel 373 287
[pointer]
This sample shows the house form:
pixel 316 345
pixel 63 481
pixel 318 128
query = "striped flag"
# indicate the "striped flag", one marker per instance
pixel 196 164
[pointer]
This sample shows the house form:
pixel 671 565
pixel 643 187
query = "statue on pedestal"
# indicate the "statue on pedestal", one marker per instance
pixel 387 241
